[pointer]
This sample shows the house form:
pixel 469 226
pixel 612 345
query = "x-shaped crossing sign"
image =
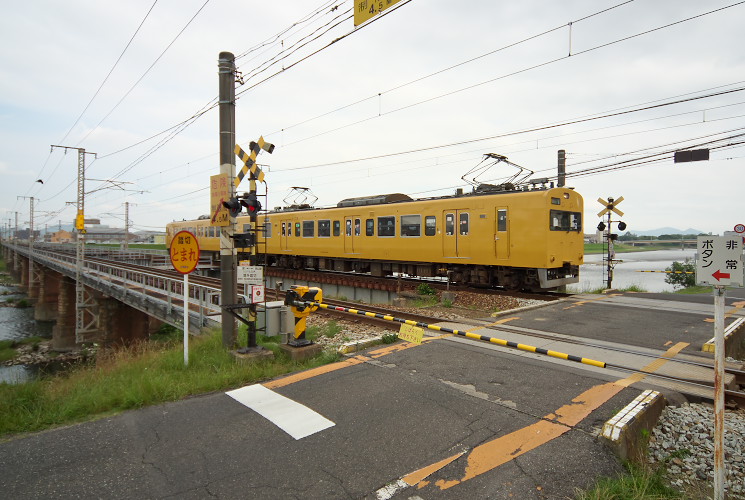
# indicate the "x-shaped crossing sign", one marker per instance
pixel 610 206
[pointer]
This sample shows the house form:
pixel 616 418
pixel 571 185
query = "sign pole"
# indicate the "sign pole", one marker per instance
pixel 186 319
pixel 185 258
pixel 719 295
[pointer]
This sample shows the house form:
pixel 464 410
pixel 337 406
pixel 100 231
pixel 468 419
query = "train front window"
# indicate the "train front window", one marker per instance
pixel 411 225
pixel 386 226
pixel 561 220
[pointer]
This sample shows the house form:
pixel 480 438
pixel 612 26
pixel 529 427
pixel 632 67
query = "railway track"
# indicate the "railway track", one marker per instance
pixel 736 396
pixel 371 314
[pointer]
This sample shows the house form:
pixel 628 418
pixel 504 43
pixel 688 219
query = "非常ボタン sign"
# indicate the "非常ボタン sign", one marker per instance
pixel 184 252
pixel 719 261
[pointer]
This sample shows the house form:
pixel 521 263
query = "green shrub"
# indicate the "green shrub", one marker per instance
pixel 679 275
pixel 425 289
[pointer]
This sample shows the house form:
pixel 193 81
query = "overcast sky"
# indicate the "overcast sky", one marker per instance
pixel 428 89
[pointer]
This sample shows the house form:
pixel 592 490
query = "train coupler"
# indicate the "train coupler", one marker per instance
pixel 299 298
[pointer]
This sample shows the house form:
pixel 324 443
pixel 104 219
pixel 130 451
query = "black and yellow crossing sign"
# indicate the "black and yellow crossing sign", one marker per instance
pixel 610 206
pixel 249 159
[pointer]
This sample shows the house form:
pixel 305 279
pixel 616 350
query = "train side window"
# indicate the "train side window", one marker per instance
pixel 307 229
pixel 348 229
pixel 324 228
pixel 267 228
pixel 357 227
pixel 502 220
pixel 337 228
pixel 386 226
pixel 411 225
pixel 297 229
pixel 430 225
pixel 449 224
pixel 369 227
pixel 463 230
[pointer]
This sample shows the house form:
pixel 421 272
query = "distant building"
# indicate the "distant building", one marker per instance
pixel 60 237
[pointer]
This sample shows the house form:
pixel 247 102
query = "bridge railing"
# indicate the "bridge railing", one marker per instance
pixel 154 284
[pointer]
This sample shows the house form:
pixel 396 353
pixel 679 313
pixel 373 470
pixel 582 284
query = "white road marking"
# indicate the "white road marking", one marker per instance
pixel 295 419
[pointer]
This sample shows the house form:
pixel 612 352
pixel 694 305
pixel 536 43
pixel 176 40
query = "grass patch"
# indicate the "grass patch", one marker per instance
pixel 144 374
pixel 639 483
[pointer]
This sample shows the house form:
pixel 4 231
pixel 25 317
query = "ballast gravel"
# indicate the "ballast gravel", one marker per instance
pixel 683 440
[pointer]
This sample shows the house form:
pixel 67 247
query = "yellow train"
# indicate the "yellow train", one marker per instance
pixel 530 239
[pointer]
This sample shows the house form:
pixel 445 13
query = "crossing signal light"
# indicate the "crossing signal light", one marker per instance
pixel 252 203
pixel 233 206
pixel 244 240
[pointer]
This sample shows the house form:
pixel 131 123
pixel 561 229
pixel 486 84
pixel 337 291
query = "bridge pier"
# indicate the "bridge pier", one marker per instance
pixel 63 332
pixel 47 306
pixel 24 273
pixel 120 323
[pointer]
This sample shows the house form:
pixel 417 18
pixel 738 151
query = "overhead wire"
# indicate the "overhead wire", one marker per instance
pixel 146 72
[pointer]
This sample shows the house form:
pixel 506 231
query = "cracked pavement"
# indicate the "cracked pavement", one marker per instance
pixel 406 410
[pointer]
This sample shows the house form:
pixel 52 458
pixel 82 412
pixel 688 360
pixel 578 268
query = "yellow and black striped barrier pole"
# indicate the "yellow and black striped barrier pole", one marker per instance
pixel 669 272
pixel 493 340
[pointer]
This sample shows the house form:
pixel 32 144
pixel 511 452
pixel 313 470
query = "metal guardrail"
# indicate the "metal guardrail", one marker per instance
pixel 136 285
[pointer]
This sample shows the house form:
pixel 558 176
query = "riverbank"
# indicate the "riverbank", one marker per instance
pixel 598 248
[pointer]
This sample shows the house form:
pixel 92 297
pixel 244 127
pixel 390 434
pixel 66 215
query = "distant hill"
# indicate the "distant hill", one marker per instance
pixel 667 230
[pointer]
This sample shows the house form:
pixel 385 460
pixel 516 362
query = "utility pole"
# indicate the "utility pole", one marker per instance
pixel 30 239
pixel 126 225
pixel 228 257
pixel 80 302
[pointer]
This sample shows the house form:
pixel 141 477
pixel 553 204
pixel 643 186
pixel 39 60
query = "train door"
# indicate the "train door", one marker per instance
pixel 502 234
pixel 456 238
pixel 352 230
pixel 285 234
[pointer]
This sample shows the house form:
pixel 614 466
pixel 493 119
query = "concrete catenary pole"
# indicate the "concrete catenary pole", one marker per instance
pixel 561 180
pixel 226 73
pixel 126 225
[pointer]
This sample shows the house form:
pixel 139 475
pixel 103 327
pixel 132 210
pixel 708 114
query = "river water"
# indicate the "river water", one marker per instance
pixel 626 273
pixel 18 323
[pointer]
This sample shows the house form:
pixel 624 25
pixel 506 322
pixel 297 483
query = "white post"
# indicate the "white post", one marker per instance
pixel 719 293
pixel 186 319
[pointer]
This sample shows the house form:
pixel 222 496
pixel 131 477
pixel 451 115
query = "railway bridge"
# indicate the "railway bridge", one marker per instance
pixel 124 301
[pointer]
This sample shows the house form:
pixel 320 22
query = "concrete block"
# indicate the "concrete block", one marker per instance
pixel 301 353
pixel 625 432
pixel 253 355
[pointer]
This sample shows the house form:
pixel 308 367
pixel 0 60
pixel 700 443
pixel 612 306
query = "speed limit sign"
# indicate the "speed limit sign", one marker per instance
pixel 740 228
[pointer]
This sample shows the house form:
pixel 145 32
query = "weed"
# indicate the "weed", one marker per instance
pixel 130 377
pixel 640 482
pixel 23 303
pixel 425 289
pixel 447 303
pixel 389 338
